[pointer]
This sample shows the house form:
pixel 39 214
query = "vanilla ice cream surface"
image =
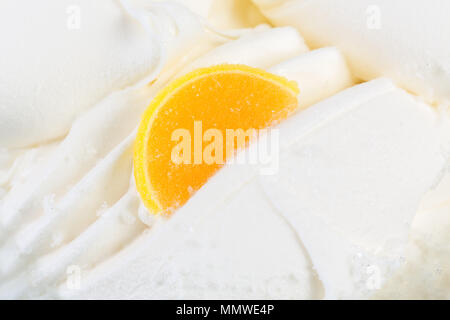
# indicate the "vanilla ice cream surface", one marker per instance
pixel 353 202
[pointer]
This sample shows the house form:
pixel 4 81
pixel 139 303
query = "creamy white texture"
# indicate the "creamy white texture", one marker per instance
pixel 75 201
pixel 260 49
pixel 228 14
pixel 71 205
pixel 351 194
pixel 89 141
pixel 319 74
pixel 404 40
pixel 61 57
pixel 426 273
pixel 348 196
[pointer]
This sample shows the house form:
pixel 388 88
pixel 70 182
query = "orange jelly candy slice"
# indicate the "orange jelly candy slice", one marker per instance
pixel 178 145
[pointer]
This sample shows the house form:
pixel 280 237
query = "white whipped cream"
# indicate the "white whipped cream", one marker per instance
pixel 404 40
pixel 61 57
pixel 335 193
pixel 229 14
pixel 69 209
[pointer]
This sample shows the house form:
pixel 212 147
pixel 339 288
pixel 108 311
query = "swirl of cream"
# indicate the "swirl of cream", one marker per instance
pixel 62 58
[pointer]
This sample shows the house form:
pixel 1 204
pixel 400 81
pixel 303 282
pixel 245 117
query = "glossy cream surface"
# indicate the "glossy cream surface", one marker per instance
pixel 355 203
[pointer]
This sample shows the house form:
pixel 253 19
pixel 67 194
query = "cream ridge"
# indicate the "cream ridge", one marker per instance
pixel 357 208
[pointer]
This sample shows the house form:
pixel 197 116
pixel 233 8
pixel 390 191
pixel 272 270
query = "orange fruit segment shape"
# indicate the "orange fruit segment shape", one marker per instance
pixel 182 138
